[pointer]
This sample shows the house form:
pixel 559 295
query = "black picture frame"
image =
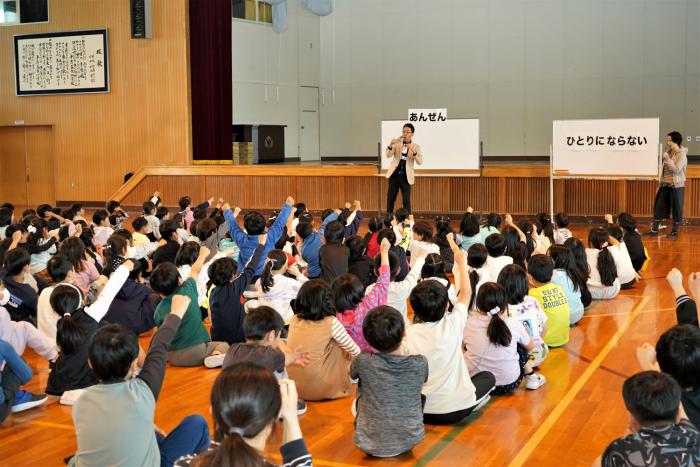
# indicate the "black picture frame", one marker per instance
pixel 88 32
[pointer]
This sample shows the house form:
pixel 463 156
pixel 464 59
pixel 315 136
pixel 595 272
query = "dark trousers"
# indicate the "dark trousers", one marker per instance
pixel 484 382
pixel 668 203
pixel 191 436
pixel 398 182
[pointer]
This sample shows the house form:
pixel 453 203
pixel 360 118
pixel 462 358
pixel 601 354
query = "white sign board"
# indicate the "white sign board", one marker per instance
pixel 610 147
pixel 451 145
pixel 61 62
pixel 427 115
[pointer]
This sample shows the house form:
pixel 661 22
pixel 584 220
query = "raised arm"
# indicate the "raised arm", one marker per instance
pixel 465 289
pixel 234 229
pixel 275 231
pixel 377 296
pixel 153 370
pixel 201 259
pixel 251 266
pixel 341 336
pixel 116 281
pixel 521 234
pixel 331 217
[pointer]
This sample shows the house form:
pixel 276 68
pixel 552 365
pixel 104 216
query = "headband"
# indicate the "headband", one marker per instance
pixel 80 294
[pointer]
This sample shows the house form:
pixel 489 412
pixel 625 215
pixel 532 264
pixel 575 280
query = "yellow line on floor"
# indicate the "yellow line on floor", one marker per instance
pixel 51 425
pixel 628 312
pixel 327 463
pixel 549 422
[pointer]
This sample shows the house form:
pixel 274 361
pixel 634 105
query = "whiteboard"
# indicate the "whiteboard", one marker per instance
pixel 610 147
pixel 451 146
pixel 61 62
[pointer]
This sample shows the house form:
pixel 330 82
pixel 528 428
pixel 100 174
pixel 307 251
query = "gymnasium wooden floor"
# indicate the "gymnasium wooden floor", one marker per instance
pixel 569 421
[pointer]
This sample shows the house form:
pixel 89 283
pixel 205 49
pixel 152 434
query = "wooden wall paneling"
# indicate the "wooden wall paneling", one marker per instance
pixel 13 166
pixel 231 189
pixel 691 206
pixel 559 196
pixel 269 192
pixel 640 197
pixel 431 194
pixel 145 118
pixel 590 197
pixel 40 165
pixel 621 196
pixel 465 192
pixel 364 189
pixel 526 195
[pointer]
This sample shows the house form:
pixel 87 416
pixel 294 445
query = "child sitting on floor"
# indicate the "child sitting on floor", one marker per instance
pixel 499 344
pixel 389 418
pixel 552 299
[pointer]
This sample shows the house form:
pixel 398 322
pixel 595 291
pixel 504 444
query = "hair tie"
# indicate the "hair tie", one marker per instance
pixel 235 429
pixel 495 311
pixel 604 245
pixel 66 314
pixel 31 229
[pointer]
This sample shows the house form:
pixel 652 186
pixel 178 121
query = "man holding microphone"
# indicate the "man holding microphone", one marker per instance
pixel 401 174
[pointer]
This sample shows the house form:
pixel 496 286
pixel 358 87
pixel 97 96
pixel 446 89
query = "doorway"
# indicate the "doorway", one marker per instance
pixel 27 165
pixel 308 124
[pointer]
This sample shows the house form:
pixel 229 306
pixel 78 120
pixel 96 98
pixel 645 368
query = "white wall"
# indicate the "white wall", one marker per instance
pixel 516 65
pixel 264 60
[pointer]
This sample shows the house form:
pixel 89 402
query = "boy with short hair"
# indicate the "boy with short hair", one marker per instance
pixel 140 235
pixel 263 328
pixel 192 346
pixel 128 402
pixel 311 243
pixel 254 224
pixel 659 436
pixel 116 214
pixel 552 298
pixel 497 259
pixel 23 297
pixel 103 229
pixel 334 255
pixel 389 417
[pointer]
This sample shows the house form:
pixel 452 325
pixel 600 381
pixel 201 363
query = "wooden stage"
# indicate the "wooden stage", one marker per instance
pixel 567 422
pixel 521 189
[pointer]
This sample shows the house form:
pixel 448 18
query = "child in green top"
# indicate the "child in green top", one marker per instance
pixel 192 345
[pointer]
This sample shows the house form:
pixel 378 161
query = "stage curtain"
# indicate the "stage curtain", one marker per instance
pixel 210 79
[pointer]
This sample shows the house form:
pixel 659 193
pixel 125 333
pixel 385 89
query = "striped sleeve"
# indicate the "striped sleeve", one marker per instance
pixel 295 454
pixel 341 336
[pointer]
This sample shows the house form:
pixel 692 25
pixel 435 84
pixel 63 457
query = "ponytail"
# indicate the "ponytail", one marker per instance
pixel 233 451
pixel 598 238
pixel 492 300
pixel 473 280
pixel 70 334
pixel 498 331
pixel 276 259
pixel 606 267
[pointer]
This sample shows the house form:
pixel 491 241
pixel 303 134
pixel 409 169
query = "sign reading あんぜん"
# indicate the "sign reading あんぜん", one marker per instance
pixel 61 62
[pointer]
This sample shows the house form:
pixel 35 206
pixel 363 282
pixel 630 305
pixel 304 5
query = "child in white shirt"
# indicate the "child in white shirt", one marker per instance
pixel 422 238
pixel 497 260
pixel 562 232
pixel 274 288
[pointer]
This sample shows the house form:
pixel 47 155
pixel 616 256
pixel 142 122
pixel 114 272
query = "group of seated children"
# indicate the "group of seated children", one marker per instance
pixel 301 314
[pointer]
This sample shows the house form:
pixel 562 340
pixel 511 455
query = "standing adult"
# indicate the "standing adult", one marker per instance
pixel 401 173
pixel 669 196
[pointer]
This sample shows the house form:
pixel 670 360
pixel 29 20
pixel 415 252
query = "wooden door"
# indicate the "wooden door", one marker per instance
pixel 13 169
pixel 40 166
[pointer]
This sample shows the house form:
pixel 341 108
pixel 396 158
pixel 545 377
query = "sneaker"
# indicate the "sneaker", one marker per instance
pixel 662 226
pixel 534 381
pixel 214 361
pixel 301 407
pixel 25 400
pixel 651 232
pixel 672 234
pixel 484 400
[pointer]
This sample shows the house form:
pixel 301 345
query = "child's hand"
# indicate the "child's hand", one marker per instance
pixel 470 209
pixel 156 194
pixel 236 211
pixel 394 223
pixel 300 358
pixel 348 205
pixel 211 200
pixel 609 218
pixel 288 391
pixel 509 219
pixel 675 279
pixel 337 211
pixel 384 246
pixel 356 204
pixel 17 236
pixel 262 239
pixel 290 201
pixel 179 305
pixel 694 284
pixel 646 356
pixel 294 270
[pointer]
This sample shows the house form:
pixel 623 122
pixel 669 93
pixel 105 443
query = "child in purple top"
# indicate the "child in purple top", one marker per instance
pixel 349 295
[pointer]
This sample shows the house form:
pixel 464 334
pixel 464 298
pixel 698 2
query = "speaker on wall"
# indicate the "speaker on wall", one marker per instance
pixel 141 19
